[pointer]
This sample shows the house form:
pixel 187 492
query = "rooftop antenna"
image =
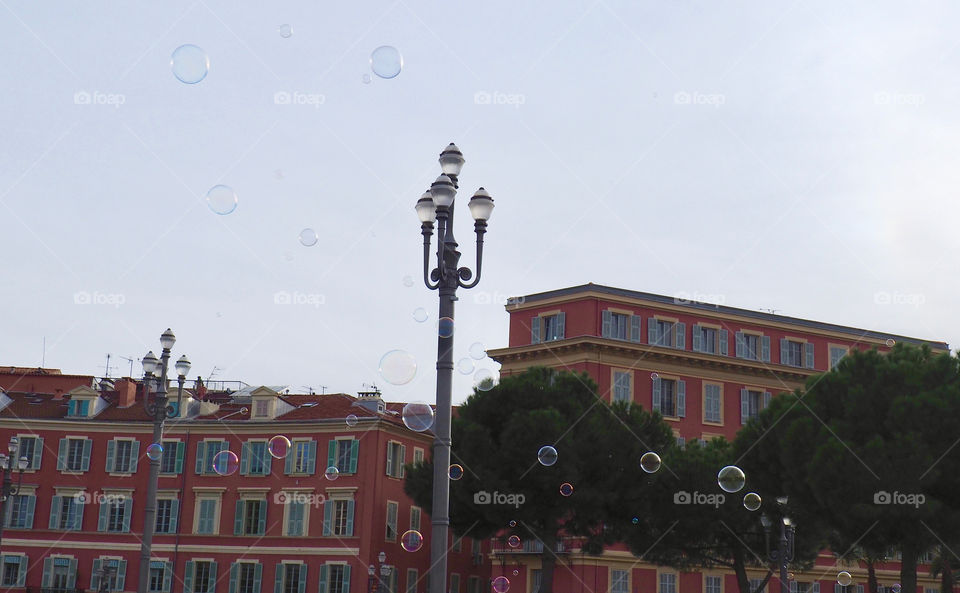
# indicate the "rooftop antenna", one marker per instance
pixel 771 311
pixel 213 373
pixel 106 369
pixel 308 388
pixel 43 358
pixel 130 360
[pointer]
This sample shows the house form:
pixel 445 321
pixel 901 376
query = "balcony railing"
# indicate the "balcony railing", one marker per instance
pixel 531 546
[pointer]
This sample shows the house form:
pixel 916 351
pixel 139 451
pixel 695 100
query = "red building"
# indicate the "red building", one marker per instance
pixel 706 368
pixel 283 523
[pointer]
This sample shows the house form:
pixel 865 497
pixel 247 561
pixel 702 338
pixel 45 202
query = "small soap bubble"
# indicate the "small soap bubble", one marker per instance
pixel 547 455
pixel 351 420
pixel 308 237
pixel 650 462
pixel 566 489
pixel 221 199
pixel 154 451
pixel 285 31
pixel 331 473
pixel 411 540
pixel 478 351
pixel 225 463
pixel 751 501
pixel 417 416
pixel 386 61
pixel 456 471
pixel 408 281
pixel 465 366
pixel 190 64
pixel 501 585
pixel 445 327
pixel 278 446
pixel 398 367
pixel 844 578
pixel 731 479
pixel 513 541
pixel 420 315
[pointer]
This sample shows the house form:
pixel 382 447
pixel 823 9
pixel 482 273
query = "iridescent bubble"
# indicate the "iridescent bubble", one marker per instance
pixel 844 578
pixel 731 479
pixel 331 473
pixel 566 489
pixel 386 61
pixel 418 416
pixel 408 281
pixel 478 351
pixel 351 420
pixel 456 471
pixel 635 520
pixel 411 540
pixel 500 585
pixel 308 237
pixel 513 541
pixel 547 455
pixel 154 451
pixel 222 199
pixel 226 463
pixel 366 79
pixel 483 380
pixel 420 315
pixel 515 572
pixel 512 523
pixel 398 367
pixel 285 31
pixel 751 501
pixel 895 588
pixel 278 446
pixel 891 342
pixel 465 366
pixel 445 327
pixel 190 64
pixel 650 462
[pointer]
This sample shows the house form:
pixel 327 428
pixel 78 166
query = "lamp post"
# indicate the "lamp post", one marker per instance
pixel 159 409
pixel 437 205
pixel 8 464
pixel 782 555
pixel 374 586
pixel 107 571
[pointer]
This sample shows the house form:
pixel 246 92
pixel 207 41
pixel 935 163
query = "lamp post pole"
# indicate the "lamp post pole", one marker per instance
pixel 8 464
pixel 159 409
pixel 436 205
pixel 782 555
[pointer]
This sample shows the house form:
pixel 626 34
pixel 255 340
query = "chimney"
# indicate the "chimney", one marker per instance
pixel 200 388
pixel 58 394
pixel 126 392
pixel 371 401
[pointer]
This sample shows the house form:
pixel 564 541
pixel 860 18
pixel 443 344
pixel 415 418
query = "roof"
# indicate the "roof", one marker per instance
pixel 698 306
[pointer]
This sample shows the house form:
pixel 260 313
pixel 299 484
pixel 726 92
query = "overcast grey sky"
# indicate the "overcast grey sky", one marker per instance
pixel 800 157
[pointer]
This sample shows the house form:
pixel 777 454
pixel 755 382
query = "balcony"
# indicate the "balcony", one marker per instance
pixel 532 546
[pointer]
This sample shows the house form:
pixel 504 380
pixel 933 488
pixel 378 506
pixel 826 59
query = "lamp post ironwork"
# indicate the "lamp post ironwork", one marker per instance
pixel 437 205
pixel 159 409
pixel 782 555
pixel 375 582
pixel 107 572
pixel 9 463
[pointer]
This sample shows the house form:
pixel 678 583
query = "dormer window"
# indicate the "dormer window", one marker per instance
pixel 84 402
pixel 264 404
pixel 262 409
pixel 79 408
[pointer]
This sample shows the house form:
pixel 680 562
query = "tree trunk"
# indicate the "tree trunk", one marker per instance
pixel 740 569
pixel 908 568
pixel 871 577
pixel 946 570
pixel 548 560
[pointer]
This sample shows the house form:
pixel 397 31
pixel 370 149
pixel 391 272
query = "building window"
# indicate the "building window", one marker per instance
pixel 454 583
pixel 391 534
pixel 339 517
pixel 342 454
pixel 619 582
pixel 66 512
pixel 836 353
pixel 291 578
pixel 622 387
pixel 667 333
pixel 751 402
pixel 797 587
pixel 262 408
pixel 247 577
pixel 791 352
pixel 255 461
pixel 115 513
pixel 59 573
pixel 167 511
pixel 712 584
pixel 74 455
pixel 206 516
pixel 396 454
pixel 250 518
pixel 200 576
pixel 20 509
pixel 668 583
pixel 122 456
pixel 712 403
pixel 415 518
pixel 338 579
pixel 417 455
pixel 707 339
pixel 296 511
pixel 412 578
pixel 206 451
pixel 14 571
pixel 115 580
pixel 473 585
pixel 670 397
pixel 546 328
pixel 78 408
pixel 31 447
pixel 302 459
pixel 755 586
pixel 457 541
pixel 172 460
pixel 620 326
pixel 536 579
pixel 753 346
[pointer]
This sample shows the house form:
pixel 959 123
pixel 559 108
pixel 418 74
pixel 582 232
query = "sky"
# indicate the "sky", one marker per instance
pixel 798 157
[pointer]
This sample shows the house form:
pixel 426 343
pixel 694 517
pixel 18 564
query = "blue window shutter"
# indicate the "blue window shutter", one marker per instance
pixel 238 518
pixel 346 579
pixel 744 405
pixel 331 452
pixel 102 519
pixel 95 575
pixel 634 328
pixel 656 395
pixel 312 458
pixel 234 575
pixel 262 518
pixel 349 518
pixel 323 578
pixel 257 574
pixel 696 338
pixel 354 453
pixel 403 460
pixel 302 586
pixel 605 329
pixel 127 512
pixel 295 517
pixel 681 399
pixel 328 517
pixel 724 342
pixel 561 325
pixel 188 577
pixel 167 575
pixel 55 512
pixel 739 348
pixel 134 456
pixel 174 515
pixel 245 459
pixel 681 335
pixel 31 506
pixel 179 460
pixel 47 572
pixel 267 459
pixel 809 353
pixel 783 350
pixel 652 331
pixel 765 348
pixel 290 458
pixel 87 446
pixel 278 579
pixel 212 577
pixel 37 454
pixel 766 399
pixel 22 576
pixel 111 455
pixel 78 516
pixel 62 455
pixel 535 330
pixel 72 408
pixel 389 460
pixel 200 456
pixel 72 575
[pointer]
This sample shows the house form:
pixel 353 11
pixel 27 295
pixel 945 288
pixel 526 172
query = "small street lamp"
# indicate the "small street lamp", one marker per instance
pixel 375 586
pixel 107 572
pixel 8 465
pixel 782 555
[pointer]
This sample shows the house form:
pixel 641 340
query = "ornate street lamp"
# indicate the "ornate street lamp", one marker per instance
pixel 782 555
pixel 436 205
pixel 8 465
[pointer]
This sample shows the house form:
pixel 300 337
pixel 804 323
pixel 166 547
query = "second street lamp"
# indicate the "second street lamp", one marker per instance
pixel 436 205
pixel 782 554
pixel 8 464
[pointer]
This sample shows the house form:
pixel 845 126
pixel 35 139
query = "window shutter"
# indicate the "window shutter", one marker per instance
pixel 697 347
pixel 188 577
pixel 765 348
pixel 47 572
pixel 72 575
pixel 102 518
pixel 724 342
pixel 816 587
pixel 349 518
pixel 680 336
pixel 238 519
pixel 31 506
pixel 245 459
pixel 87 446
pixel 127 512
pixel 744 405
pixel 656 395
pixel 302 587
pixel 561 325
pixel 739 346
pixel 78 516
pixel 605 329
pixel 535 330
pixel 200 457
pixel 290 458
pixel 55 512
pixel 312 458
pixel 298 511
pixel 234 575
pixel 838 588
pixel 389 459
pixel 328 517
pixel 262 517
pixel 134 456
pixel 178 466
pixel 167 576
pixel 62 455
pixel 681 399
pixel 278 579
pixel 809 353
pixel 257 574
pixel 267 460
pixel 332 453
pixel 346 579
pixel 22 576
pixel 652 331
pixel 212 577
pixel 111 455
pixel 37 454
pixel 634 328
pixel 354 452
pixel 859 588
pixel 403 459
pixel 323 578
pixel 174 516
pixel 7 514
pixel 783 350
